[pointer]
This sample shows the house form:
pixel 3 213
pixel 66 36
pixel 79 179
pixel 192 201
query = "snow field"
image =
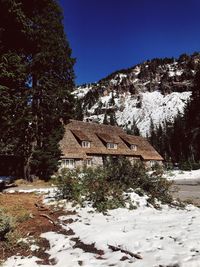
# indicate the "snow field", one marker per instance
pixel 183 175
pixel 161 237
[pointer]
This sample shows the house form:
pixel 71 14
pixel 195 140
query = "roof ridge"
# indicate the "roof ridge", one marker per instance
pixel 97 124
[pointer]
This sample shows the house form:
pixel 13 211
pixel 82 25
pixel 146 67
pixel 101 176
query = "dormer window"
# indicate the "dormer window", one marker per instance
pixel 111 146
pixel 131 141
pixel 108 140
pixel 82 138
pixel 86 144
pixel 133 147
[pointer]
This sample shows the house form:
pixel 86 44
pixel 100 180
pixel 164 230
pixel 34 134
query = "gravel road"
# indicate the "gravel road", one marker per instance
pixel 188 190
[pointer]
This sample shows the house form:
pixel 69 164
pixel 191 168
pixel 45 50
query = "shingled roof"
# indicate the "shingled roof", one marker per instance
pixel 80 135
pixel 99 135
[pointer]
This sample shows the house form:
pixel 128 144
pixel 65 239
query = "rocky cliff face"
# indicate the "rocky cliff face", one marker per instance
pixel 154 91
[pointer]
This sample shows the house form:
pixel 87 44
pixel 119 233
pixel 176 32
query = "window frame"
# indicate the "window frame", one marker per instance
pixel 87 162
pixel 152 163
pixel 134 147
pixel 70 164
pixel 111 145
pixel 86 144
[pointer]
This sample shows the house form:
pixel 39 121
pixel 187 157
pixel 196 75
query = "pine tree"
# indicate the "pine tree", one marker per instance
pixel 78 113
pixel 192 117
pixel 13 102
pixel 160 138
pixel 38 86
pixel 178 139
pixel 52 81
pixel 135 130
pixel 113 120
pixel 14 89
pixel 105 119
pixel 112 100
pixel 153 139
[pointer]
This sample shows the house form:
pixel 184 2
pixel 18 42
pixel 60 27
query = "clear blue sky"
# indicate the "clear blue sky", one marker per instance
pixel 107 35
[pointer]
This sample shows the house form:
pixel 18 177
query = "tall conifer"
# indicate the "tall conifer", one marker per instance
pixel 36 82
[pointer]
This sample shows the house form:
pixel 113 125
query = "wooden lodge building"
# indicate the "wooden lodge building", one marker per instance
pixel 91 143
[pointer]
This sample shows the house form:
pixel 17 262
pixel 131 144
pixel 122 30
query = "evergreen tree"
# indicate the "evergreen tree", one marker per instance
pixel 78 113
pixel 192 117
pixel 159 136
pixel 36 82
pixel 112 100
pixel 135 130
pixel 52 81
pixel 178 139
pixel 14 89
pixel 105 120
pixel 113 120
pixel 153 139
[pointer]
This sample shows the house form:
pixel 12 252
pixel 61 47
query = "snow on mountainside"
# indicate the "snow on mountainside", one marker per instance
pixel 155 91
pixel 154 106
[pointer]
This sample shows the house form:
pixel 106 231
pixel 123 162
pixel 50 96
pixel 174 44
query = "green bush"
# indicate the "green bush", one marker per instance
pixel 104 187
pixel 103 194
pixel 185 166
pixel 189 165
pixel 69 185
pixel 158 188
pixel 196 165
pixel 6 224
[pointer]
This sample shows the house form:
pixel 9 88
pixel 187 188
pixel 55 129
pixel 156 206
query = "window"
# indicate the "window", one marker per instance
pixel 85 144
pixel 88 162
pixel 68 163
pixel 152 163
pixel 134 147
pixel 111 146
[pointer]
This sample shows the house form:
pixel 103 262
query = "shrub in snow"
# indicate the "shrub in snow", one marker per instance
pixel 104 187
pixel 136 176
pixel 89 185
pixel 102 193
pixel 69 185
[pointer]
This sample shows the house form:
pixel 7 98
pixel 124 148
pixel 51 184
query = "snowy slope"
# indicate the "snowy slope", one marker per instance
pixel 152 91
pixel 153 106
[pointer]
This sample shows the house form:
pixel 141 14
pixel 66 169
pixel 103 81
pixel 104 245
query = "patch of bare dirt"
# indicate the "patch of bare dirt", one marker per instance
pixel 87 247
pixel 27 209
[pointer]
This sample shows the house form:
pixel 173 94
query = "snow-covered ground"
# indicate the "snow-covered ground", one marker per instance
pixel 183 175
pixel 166 237
pixel 20 189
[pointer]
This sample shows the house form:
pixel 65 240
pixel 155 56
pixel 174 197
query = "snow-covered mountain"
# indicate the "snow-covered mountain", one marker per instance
pixel 154 91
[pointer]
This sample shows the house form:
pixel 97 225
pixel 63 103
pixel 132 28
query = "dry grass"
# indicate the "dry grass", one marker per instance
pixel 37 183
pixel 28 224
